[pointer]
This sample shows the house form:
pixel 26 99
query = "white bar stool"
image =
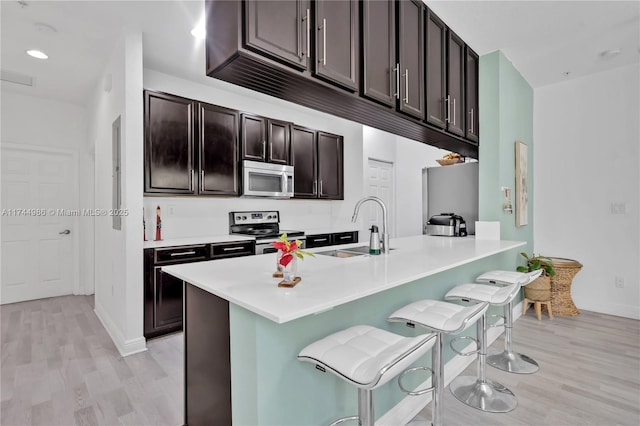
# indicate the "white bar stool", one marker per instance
pixel 443 318
pixel 477 391
pixel 508 360
pixel 366 357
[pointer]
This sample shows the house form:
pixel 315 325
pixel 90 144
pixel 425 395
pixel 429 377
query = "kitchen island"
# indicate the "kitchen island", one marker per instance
pixel 243 333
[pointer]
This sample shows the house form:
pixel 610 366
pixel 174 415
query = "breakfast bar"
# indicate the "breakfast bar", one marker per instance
pixel 243 333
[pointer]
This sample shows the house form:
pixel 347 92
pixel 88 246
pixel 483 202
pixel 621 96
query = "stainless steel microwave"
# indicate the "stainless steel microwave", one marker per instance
pixel 267 180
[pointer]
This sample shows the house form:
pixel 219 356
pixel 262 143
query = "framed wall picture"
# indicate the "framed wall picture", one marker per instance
pixel 522 184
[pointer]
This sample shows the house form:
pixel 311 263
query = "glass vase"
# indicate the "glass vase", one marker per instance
pixel 290 272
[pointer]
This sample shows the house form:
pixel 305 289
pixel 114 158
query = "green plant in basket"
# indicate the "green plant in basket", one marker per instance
pixel 537 262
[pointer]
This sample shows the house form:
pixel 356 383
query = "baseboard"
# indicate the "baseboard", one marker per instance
pixel 125 347
pixel 403 412
pixel 615 309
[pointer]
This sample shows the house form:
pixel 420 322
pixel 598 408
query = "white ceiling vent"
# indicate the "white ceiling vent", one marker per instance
pixel 17 78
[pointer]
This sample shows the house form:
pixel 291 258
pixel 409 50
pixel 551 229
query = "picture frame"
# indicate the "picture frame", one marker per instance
pixel 522 184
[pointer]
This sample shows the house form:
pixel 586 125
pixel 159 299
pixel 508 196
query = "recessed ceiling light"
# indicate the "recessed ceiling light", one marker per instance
pixel 199 32
pixel 566 73
pixel 610 53
pixel 37 54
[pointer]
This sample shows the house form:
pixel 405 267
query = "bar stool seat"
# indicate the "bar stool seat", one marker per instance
pixel 366 357
pixel 477 391
pixel 443 318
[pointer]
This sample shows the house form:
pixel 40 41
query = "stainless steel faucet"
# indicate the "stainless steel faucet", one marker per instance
pixel 385 223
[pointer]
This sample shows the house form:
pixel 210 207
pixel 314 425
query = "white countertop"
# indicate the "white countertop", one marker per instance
pixel 328 281
pixel 189 241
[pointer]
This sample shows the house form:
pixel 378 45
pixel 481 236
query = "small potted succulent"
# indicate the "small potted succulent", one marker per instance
pixel 540 289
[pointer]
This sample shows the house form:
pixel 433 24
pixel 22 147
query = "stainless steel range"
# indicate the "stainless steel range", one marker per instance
pixel 264 226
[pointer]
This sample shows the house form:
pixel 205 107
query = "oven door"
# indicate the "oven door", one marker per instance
pixel 267 180
pixel 265 247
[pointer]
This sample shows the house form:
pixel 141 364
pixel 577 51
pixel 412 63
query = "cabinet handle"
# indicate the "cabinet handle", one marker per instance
pixel 201 180
pixel 321 187
pixel 396 70
pixel 264 149
pixel 315 187
pixel 308 33
pixel 406 86
pixel 319 240
pixel 447 117
pixel 183 253
pixel 270 151
pixel 346 237
pixel 233 248
pixel 471 114
pixel 454 111
pixel 324 41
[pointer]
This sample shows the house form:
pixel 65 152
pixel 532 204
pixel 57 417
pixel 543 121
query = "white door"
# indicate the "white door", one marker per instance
pixel 39 219
pixel 380 184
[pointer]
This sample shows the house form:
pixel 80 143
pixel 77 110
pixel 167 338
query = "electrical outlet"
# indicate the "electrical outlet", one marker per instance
pixel 619 282
pixel 619 207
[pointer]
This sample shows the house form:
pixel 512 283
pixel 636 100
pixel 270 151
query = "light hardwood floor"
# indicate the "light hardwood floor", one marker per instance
pixel 59 367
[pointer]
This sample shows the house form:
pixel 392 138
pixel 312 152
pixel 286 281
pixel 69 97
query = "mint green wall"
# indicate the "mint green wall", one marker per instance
pixel 271 387
pixel 506 115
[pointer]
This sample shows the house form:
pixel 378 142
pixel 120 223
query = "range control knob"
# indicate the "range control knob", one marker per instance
pixel 244 218
pixel 238 218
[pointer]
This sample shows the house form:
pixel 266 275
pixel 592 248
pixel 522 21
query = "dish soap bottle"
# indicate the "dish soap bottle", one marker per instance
pixel 374 241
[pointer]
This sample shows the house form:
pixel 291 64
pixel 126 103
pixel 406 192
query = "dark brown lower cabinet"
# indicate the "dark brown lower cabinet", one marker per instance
pixel 207 360
pixel 163 292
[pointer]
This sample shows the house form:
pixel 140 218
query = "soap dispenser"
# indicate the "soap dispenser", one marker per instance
pixel 374 241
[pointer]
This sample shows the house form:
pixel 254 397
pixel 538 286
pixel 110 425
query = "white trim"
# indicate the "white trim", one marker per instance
pixel 125 347
pixel 405 411
pixel 73 153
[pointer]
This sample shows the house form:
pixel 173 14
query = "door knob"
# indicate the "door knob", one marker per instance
pixel 65 232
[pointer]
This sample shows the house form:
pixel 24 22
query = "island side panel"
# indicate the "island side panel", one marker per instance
pixel 270 385
pixel 207 381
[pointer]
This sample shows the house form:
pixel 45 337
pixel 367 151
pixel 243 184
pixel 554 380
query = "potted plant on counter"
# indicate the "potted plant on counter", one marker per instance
pixel 540 289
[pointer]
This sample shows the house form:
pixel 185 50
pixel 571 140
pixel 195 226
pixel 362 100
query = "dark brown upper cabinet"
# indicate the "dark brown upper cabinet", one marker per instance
pixel 278 141
pixel 455 84
pixel 304 161
pixel 379 51
pixel 317 159
pixel 280 30
pixel 330 166
pixel 190 147
pixel 445 77
pixel 337 43
pixel 471 95
pixel 264 139
pixel 169 144
pixel 411 57
pixel 254 137
pixel 325 60
pixel 436 70
pixel 218 150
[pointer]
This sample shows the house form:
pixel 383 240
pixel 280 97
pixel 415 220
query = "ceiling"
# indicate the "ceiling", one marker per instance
pixel 543 39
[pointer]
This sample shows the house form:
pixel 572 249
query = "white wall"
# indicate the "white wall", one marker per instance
pixel 118 253
pixel 198 216
pixel 47 123
pixel 409 158
pixel 586 160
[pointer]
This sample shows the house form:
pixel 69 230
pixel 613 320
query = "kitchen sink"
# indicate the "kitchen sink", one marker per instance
pixel 347 252
pixel 341 253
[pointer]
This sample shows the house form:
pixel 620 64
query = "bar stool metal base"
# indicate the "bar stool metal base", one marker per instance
pixel 512 362
pixel 487 395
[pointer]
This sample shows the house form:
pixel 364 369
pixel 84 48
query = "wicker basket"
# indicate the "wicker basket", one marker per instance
pixel 561 301
pixel 539 290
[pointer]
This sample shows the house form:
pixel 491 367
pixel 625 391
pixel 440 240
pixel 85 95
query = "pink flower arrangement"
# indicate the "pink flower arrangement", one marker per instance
pixel 289 249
